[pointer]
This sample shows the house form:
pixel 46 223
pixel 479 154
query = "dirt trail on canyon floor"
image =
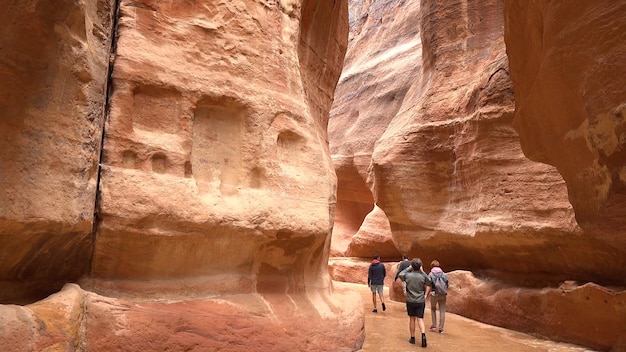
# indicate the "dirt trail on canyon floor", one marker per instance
pixel 389 331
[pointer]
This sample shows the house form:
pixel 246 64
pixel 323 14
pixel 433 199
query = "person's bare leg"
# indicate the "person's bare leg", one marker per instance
pixel 412 326
pixel 420 321
pixel 382 301
pixel 374 299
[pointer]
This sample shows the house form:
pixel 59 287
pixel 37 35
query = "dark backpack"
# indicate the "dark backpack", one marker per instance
pixel 440 286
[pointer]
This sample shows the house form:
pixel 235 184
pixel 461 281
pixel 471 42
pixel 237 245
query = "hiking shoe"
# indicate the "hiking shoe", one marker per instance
pixel 423 341
pixel 412 340
pixel 384 308
pixel 433 328
pixel 375 310
pixel 441 331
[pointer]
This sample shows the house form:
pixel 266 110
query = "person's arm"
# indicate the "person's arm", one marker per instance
pixel 398 272
pixel 402 274
pixel 427 285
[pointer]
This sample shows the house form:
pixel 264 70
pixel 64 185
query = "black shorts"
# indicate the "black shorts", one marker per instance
pixel 415 309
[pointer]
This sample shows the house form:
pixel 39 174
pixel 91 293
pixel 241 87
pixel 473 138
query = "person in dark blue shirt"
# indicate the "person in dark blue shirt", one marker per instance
pixel 376 281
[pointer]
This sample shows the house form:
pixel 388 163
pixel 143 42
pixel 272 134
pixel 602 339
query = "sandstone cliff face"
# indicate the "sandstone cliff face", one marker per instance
pixel 568 71
pixel 382 64
pixel 428 136
pixel 216 193
pixel 53 69
pixel 214 150
pixel 446 168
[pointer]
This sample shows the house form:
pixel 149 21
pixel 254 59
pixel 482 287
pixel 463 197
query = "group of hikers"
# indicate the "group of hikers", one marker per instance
pixel 418 287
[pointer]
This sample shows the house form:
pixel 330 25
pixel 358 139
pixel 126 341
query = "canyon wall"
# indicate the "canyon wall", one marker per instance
pixel 216 190
pixel 435 141
pixel 568 74
pixel 53 69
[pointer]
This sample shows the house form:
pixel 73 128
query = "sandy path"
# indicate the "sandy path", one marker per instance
pixel 389 331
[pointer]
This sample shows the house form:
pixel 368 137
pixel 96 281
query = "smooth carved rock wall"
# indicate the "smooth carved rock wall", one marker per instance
pixel 449 172
pixel 382 64
pixel 217 179
pixel 53 69
pixel 447 168
pixel 432 144
pixel 213 151
pixel 567 68
pixel 217 190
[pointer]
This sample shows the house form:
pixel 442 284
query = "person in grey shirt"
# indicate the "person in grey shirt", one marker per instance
pixel 417 291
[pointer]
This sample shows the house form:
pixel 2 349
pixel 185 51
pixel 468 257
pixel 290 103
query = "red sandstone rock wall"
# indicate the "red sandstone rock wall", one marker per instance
pixel 567 65
pixel 432 143
pixel 216 192
pixel 53 69
pixel 423 128
pixel 587 314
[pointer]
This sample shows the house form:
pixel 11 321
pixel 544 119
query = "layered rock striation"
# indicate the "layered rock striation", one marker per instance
pixel 446 168
pixel 433 127
pixel 567 68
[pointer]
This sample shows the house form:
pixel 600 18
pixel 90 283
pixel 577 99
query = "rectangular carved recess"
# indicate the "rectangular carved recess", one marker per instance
pixel 217 136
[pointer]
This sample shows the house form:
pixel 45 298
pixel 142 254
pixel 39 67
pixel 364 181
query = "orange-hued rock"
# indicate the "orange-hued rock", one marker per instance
pixel 217 178
pixel 567 66
pixel 449 172
pixel 373 237
pixel 53 69
pixel 253 322
pixel 354 270
pixel 445 164
pixel 215 161
pixel 53 324
pixel 74 319
pixel 216 194
pixel 382 63
pixel 588 314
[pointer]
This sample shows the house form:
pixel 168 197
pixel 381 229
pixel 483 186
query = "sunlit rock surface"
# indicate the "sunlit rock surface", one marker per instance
pixel 217 177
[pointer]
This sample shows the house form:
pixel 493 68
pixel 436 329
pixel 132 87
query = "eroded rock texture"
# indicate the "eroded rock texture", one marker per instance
pixel 217 177
pixel 53 69
pixel 78 320
pixel 422 127
pixel 215 162
pixel 446 167
pixel 587 314
pixel 217 191
pixel 567 65
pixel 383 62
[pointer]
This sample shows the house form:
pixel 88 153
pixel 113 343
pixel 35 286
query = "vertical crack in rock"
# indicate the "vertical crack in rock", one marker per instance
pixel 105 112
